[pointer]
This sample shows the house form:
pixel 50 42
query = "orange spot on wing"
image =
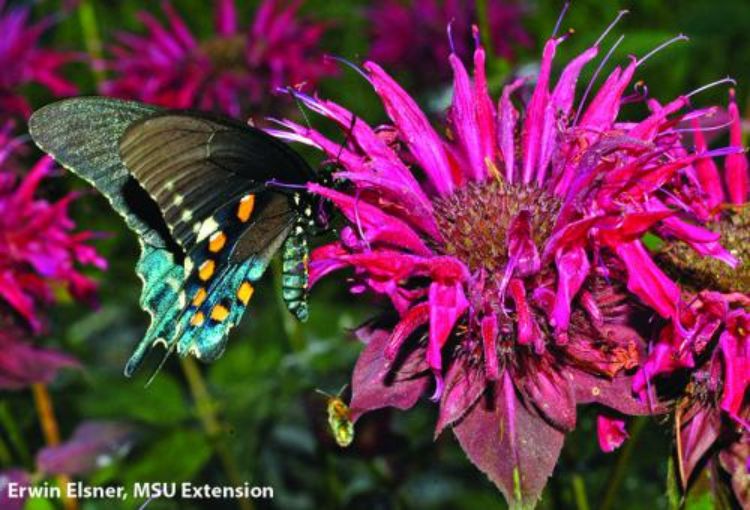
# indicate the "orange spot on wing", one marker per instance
pixel 206 271
pixel 219 313
pixel 197 319
pixel 199 297
pixel 245 292
pixel 216 242
pixel 245 209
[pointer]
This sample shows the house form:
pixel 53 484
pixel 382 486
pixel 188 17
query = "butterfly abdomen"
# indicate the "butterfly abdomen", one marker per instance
pixel 295 255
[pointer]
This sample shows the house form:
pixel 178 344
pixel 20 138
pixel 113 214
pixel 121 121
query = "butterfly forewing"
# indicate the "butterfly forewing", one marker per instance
pixel 192 164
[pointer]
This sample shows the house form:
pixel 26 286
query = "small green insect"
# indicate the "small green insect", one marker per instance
pixel 339 418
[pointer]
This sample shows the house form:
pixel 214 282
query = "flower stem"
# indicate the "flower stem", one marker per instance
pixel 206 409
pixel 579 493
pixel 91 38
pixel 620 468
pixel 48 422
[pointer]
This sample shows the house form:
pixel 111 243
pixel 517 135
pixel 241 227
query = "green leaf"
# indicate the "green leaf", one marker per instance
pixel 161 403
pixel 38 504
pixel 176 457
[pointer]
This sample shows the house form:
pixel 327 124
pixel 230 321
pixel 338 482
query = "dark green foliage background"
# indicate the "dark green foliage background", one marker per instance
pixel 273 422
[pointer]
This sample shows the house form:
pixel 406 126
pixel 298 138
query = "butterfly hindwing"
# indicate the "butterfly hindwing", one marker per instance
pixel 217 285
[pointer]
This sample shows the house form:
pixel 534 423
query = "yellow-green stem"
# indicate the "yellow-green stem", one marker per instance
pixel 91 38
pixel 51 431
pixel 579 493
pixel 206 409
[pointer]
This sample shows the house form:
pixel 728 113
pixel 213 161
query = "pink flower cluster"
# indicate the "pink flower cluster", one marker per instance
pixel 39 251
pixel 234 71
pixel 23 60
pixel 512 254
pixel 412 35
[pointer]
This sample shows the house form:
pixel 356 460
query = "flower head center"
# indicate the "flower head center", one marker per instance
pixel 226 53
pixel 474 221
pixel 686 265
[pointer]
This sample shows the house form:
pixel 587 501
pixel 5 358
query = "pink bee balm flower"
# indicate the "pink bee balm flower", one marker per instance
pixel 712 340
pixel 411 35
pixel 511 252
pixel 235 69
pixel 24 61
pixel 38 246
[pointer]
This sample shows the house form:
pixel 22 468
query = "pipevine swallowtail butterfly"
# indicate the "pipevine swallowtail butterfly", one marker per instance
pixel 195 188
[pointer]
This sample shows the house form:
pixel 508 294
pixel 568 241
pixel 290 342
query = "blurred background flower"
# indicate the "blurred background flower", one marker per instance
pixel 24 60
pixel 411 36
pixel 233 70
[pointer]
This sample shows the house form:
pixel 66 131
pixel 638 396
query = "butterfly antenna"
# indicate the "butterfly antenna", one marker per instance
pixel 347 138
pixel 300 107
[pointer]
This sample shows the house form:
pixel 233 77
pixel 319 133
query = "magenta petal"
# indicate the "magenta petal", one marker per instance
pixel 18 477
pixel 553 397
pixel 378 382
pixel 447 305
pixel 647 281
pixel 734 460
pixel 737 178
pixel 93 445
pixel 376 225
pixel 697 436
pixel 489 341
pixel 415 129
pixel 417 316
pixel 707 172
pixel 572 269
pixel 464 385
pixel 734 344
pixel 518 466
pixel 615 393
pixel 464 122
pixel 324 260
pixel 508 117
pixel 531 137
pixel 611 432
pixel 485 110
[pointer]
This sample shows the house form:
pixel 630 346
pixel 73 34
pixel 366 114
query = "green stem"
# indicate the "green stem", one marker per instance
pixel 206 409
pixel 620 468
pixel 14 434
pixel 483 18
pixel 91 38
pixel 292 327
pixel 579 493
